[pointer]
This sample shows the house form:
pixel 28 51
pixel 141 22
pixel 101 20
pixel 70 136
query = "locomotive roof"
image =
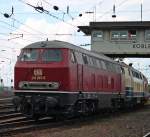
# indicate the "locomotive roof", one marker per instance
pixel 62 44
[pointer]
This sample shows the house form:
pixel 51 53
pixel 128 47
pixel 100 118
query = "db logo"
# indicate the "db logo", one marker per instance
pixel 147 135
pixel 38 72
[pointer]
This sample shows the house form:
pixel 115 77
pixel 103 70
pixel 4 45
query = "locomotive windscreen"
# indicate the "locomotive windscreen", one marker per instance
pixel 29 55
pixel 44 55
pixel 52 55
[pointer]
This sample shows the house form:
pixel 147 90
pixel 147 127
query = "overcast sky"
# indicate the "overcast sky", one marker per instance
pixel 34 26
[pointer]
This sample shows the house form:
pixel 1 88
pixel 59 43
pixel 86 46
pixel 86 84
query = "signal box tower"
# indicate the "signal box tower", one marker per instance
pixel 119 39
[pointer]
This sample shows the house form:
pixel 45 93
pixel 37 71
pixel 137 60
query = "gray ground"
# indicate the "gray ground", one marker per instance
pixel 131 124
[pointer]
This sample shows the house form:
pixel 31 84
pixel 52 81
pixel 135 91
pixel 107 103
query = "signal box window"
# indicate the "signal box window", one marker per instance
pixel 29 55
pixel 123 35
pixel 132 34
pixel 52 55
pixel 97 35
pixel 119 35
pixel 147 35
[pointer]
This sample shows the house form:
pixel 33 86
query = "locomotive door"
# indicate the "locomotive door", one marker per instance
pixel 80 77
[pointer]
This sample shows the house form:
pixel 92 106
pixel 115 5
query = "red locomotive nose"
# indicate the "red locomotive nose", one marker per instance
pixel 42 69
pixel 45 79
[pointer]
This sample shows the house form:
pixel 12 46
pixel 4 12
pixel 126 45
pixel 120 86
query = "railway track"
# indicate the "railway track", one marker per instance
pixel 22 124
pixel 12 122
pixel 16 123
pixel 6 106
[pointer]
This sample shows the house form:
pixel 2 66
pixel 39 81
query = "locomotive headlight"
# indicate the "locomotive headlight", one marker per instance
pixel 54 85
pixel 23 84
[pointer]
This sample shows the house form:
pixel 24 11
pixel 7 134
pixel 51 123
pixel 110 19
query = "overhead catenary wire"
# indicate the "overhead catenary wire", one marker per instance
pixel 64 13
pixel 27 26
pixel 88 11
pixel 21 31
pixel 6 34
pixel 25 33
pixel 54 15
pixel 117 6
pixel 16 43
pixel 41 9
pixel 12 28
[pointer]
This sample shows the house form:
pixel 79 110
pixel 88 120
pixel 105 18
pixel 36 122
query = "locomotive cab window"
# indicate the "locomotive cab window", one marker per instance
pixel 52 55
pixel 29 55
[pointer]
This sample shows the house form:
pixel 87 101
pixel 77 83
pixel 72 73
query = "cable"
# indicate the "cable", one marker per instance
pixel 52 34
pixel 16 43
pixel 27 26
pixel 22 24
pixel 64 13
pixel 42 10
pixel 24 31
pixel 120 4
pixel 57 34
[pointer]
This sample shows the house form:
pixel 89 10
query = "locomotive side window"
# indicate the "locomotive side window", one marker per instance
pixel 140 76
pixel 113 67
pixel 73 59
pixel 52 55
pixel 122 70
pixel 94 61
pixel 135 74
pixel 99 63
pixel 29 55
pixel 118 68
pixel 108 66
pixel 78 56
pixel 90 61
pixel 85 59
pixel 103 65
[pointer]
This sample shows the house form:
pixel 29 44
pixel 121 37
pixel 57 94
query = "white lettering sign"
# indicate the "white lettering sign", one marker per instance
pixel 145 46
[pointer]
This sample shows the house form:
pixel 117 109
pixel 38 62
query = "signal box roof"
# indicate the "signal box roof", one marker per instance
pixel 114 25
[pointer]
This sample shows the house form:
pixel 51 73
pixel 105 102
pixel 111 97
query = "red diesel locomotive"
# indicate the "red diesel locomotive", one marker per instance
pixel 58 78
